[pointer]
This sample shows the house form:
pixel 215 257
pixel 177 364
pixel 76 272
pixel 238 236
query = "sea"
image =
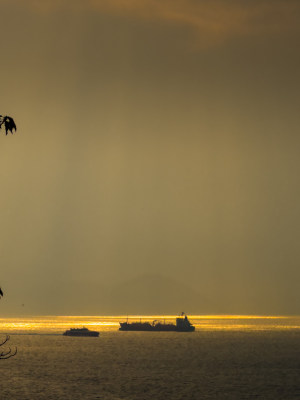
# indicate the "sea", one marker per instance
pixel 227 357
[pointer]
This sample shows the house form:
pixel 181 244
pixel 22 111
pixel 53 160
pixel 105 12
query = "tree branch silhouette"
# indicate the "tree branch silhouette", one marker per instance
pixel 5 354
pixel 9 124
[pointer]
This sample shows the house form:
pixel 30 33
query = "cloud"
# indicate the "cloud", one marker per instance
pixel 212 21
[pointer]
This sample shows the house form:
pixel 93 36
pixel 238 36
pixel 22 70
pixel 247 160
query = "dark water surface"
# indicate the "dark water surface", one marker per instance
pixel 207 364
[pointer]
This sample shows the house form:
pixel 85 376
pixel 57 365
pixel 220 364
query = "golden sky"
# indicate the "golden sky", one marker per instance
pixel 155 165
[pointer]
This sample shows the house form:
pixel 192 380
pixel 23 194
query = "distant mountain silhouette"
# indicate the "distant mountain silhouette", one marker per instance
pixel 145 294
pixel 156 294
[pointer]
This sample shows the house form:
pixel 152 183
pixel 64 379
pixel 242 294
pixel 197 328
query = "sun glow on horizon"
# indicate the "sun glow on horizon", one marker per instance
pixel 58 324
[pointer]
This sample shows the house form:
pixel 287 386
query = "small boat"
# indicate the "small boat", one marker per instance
pixel 81 332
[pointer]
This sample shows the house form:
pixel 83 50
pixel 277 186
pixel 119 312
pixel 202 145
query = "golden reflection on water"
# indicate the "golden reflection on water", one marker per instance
pixel 58 324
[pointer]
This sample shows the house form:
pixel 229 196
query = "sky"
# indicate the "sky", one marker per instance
pixel 155 165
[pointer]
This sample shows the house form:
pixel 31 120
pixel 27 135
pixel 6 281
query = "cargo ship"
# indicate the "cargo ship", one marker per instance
pixel 182 325
pixel 80 332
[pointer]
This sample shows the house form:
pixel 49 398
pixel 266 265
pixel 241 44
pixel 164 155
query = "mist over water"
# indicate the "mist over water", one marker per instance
pixel 227 357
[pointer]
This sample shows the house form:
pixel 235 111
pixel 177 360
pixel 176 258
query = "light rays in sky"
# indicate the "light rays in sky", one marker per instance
pixel 163 158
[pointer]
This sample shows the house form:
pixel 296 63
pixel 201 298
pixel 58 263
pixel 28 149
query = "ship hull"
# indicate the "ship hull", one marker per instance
pixel 146 327
pixel 90 334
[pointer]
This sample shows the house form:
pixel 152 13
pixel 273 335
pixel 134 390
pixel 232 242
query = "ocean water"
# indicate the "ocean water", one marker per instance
pixel 226 358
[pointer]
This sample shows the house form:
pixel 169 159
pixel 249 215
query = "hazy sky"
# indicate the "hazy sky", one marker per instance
pixel 156 163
